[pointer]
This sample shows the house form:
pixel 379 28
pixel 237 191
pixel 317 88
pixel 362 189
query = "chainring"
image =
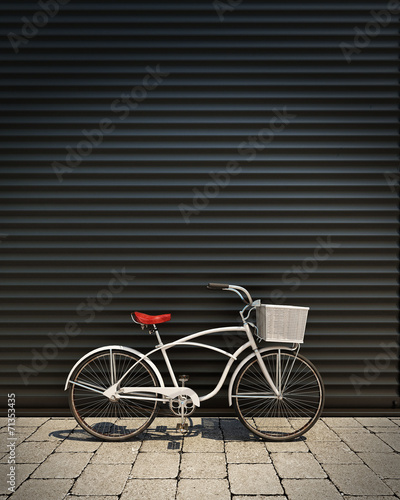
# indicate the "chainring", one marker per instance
pixel 175 406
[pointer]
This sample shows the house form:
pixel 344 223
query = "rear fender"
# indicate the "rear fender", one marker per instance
pixel 119 348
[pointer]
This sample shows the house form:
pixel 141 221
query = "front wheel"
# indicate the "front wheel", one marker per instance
pixel 279 418
pixel 111 420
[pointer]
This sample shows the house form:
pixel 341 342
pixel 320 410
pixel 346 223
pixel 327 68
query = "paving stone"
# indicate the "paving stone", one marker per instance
pixel 53 430
pixel 396 421
pixel 102 479
pixel 353 479
pixel 116 453
pixel 79 441
pixel 62 466
pixel 22 472
pixel 198 489
pixel 342 422
pixel 392 439
pixel 31 421
pixel 333 453
pixel 149 489
pixel 391 430
pixel 62 418
pixel 203 465
pixel 254 479
pixel 204 436
pixel 151 466
pixel 39 489
pixel 319 432
pixel 162 444
pixel 23 433
pixel 346 497
pixel 246 453
pixel 4 442
pixel 342 431
pixel 204 442
pixel 263 497
pixel 76 497
pixel 297 465
pixel 287 446
pixel 162 436
pixel 394 484
pixel 306 489
pixel 20 434
pixel 359 441
pixel 267 424
pixel 34 452
pixel 164 426
pixel 375 421
pixel 201 424
pixel 234 430
pixel 386 465
pixel 3 421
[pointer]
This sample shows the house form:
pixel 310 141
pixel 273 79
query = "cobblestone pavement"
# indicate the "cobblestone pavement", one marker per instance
pixel 339 458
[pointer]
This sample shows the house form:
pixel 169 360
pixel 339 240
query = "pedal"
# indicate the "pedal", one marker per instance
pixel 183 378
pixel 182 427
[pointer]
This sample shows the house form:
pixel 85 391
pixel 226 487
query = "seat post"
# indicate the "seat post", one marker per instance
pixel 155 330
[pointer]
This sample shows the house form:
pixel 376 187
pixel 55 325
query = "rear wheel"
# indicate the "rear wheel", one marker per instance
pixel 94 412
pixel 279 418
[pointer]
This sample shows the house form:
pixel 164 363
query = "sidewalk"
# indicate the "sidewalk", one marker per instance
pixel 340 458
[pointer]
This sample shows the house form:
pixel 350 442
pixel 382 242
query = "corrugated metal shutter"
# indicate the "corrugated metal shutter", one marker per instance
pixel 265 84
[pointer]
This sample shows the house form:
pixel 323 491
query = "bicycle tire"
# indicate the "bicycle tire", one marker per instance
pixel 266 416
pixel 95 413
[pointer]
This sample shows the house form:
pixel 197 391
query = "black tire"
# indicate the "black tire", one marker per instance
pixel 95 413
pixel 267 416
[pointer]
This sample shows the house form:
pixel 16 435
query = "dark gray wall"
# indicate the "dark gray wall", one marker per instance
pixel 266 85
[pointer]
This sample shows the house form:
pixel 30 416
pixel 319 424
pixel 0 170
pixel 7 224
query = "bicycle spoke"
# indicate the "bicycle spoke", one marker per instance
pixel 301 396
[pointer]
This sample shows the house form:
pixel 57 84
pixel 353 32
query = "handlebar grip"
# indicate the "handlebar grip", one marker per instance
pixel 217 286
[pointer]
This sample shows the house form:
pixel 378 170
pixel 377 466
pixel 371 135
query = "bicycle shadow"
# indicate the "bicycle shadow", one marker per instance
pixel 207 428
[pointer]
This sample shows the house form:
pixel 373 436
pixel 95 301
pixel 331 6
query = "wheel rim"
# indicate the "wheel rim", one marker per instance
pixel 96 413
pixel 266 415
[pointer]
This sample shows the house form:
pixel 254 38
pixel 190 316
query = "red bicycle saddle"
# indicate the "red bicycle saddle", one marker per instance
pixel 146 319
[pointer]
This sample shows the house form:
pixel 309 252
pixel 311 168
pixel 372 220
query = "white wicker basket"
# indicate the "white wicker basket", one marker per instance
pixel 281 323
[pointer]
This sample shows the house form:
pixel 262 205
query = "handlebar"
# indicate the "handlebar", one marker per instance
pixel 239 290
pixel 217 286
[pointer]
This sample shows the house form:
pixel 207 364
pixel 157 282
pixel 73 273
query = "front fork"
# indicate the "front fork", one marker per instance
pixel 275 388
pixel 277 385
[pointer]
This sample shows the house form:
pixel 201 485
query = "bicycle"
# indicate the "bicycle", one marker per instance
pixel 115 391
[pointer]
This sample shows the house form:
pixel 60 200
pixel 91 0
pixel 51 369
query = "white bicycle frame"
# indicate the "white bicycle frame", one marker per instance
pixel 115 390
